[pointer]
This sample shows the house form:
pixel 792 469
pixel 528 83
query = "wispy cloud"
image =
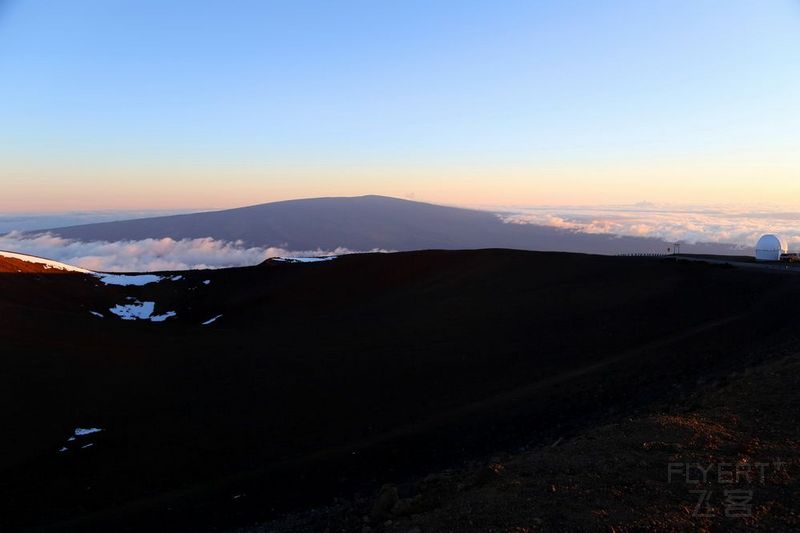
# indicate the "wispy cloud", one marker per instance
pixel 148 255
pixel 733 225
pixel 44 221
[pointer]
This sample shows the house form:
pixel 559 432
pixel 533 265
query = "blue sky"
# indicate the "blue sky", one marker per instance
pixel 152 104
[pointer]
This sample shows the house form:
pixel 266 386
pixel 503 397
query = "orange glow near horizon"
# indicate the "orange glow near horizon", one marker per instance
pixel 70 187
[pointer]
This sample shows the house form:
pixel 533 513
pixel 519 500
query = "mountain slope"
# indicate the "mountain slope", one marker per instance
pixel 14 262
pixel 366 223
pixel 323 379
pixel 616 476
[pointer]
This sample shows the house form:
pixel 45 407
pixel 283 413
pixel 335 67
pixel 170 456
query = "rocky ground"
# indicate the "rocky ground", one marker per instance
pixel 726 458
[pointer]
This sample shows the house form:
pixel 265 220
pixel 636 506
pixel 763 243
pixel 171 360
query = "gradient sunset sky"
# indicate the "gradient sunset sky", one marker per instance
pixel 158 104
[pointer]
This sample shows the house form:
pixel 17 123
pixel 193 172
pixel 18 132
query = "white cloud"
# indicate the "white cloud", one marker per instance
pixel 730 225
pixel 148 255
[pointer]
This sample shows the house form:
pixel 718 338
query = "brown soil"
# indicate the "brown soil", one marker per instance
pixel 744 431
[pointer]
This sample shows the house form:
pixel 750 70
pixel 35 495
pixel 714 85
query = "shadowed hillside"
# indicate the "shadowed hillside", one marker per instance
pixel 617 475
pixel 276 387
pixel 368 223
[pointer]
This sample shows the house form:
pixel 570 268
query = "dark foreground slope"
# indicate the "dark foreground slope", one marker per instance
pixel 724 458
pixel 332 378
pixel 368 223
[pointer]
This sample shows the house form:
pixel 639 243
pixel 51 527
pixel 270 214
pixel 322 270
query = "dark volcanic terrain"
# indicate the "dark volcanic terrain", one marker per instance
pixel 616 476
pixel 330 379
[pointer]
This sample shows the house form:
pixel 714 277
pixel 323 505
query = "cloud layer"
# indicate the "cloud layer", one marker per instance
pixel 738 226
pixel 150 255
pixel 730 225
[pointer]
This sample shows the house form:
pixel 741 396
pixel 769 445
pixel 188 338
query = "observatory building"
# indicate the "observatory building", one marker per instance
pixel 770 248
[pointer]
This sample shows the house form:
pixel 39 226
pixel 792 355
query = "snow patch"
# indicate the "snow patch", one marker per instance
pixel 140 311
pixel 136 310
pixel 134 279
pixel 162 318
pixel 46 262
pixel 211 320
pixel 304 259
pixel 124 280
pixel 127 280
pixel 95 313
pixel 80 432
pixel 207 282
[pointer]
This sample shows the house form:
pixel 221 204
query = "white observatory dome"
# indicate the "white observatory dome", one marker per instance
pixel 770 248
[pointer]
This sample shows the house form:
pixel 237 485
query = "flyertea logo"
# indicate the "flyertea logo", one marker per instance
pixel 738 482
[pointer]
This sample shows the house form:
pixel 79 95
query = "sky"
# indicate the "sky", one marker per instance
pixel 152 105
